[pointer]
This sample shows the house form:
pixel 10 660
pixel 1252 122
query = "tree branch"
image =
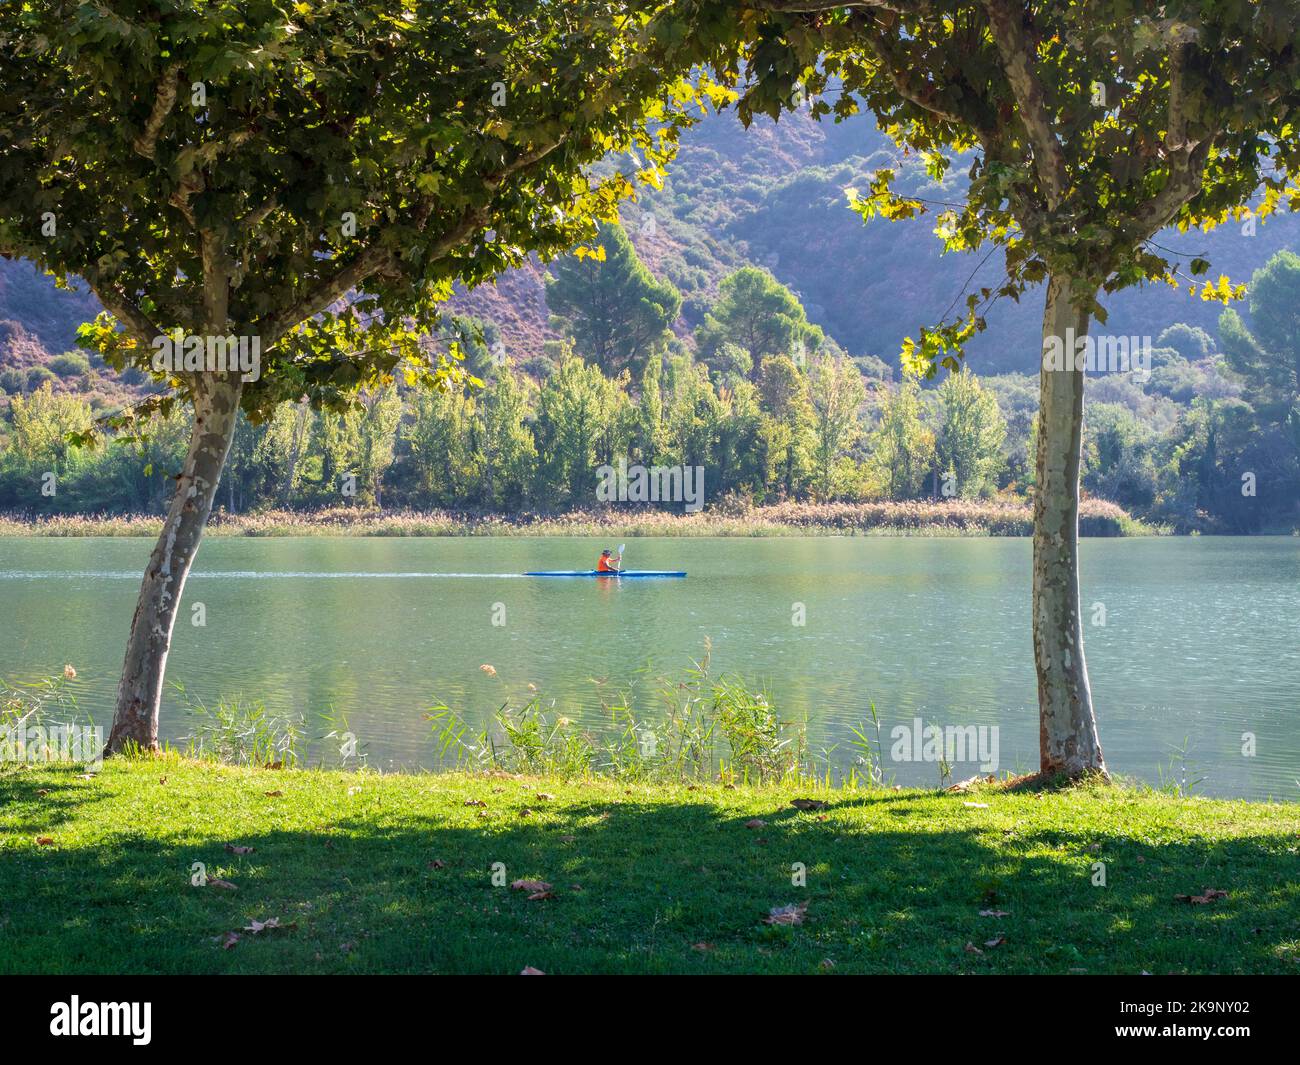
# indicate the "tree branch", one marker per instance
pixel 1009 35
pixel 1185 174
pixel 136 323
pixel 146 143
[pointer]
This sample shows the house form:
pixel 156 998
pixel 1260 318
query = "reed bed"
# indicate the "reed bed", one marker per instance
pixel 909 518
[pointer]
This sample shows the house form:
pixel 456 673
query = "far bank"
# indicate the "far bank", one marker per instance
pixel 914 518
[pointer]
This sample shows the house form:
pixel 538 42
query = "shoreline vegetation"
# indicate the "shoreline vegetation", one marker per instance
pixel 724 847
pixel 912 518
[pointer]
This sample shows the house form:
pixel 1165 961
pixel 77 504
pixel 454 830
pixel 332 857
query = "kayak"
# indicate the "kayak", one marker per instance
pixel 598 573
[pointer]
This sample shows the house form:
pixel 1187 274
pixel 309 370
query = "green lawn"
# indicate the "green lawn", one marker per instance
pixel 394 874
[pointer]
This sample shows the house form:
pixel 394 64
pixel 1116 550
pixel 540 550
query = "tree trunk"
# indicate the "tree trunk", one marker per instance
pixel 1068 741
pixel 139 693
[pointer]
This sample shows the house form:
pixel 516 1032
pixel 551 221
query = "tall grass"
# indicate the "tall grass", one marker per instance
pixel 707 728
pixel 240 732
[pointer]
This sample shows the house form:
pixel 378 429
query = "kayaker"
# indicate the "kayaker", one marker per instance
pixel 605 565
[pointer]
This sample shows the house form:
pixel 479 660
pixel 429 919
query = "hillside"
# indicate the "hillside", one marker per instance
pixel 771 196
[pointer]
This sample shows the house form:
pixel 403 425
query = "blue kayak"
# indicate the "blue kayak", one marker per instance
pixel 598 573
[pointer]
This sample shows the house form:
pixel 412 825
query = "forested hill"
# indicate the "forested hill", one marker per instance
pixel 772 196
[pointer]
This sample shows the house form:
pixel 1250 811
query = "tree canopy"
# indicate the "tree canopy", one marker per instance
pixel 220 168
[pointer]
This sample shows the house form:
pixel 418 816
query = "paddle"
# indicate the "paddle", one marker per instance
pixel 620 555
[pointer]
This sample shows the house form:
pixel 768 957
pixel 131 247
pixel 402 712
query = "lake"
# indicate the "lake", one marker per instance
pixel 1200 642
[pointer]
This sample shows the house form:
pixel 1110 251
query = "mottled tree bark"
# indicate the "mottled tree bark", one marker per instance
pixel 1068 741
pixel 139 692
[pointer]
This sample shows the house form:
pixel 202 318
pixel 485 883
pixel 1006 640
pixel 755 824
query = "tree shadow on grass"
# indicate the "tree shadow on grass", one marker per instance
pixel 637 886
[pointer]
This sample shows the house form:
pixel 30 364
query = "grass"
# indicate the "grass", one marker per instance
pixel 394 873
pixel 913 518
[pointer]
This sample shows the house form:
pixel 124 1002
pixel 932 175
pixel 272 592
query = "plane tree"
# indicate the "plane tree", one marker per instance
pixel 1092 125
pixel 311 179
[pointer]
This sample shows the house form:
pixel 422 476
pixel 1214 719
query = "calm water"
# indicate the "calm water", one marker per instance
pixel 1201 641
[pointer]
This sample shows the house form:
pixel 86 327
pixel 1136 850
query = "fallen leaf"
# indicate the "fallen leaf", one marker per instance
pixel 274 765
pixel 45 841
pixel 234 848
pixel 755 823
pixel 537 896
pixel 528 970
pixel 525 812
pixel 703 947
pixel 808 804
pixel 474 802
pixel 229 940
pixel 1204 899
pixel 437 863
pixel 996 941
pixel 269 925
pixel 545 796
pixel 216 881
pixel 786 915
pixel 995 913
pixel 530 885
pixel 568 839
pixel 42 791
pixel 274 794
pixel 971 948
pixel 826 963
pixel 162 780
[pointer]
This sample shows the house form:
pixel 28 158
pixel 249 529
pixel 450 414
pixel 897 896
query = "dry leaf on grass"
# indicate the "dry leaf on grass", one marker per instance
pixel 216 881
pixel 995 913
pixel 786 915
pixel 229 940
pixel 235 848
pixel 269 925
pixel 530 885
pixel 996 941
pixel 528 970
pixel 274 794
pixel 1204 899
pixel 808 804
pixel 474 802
pixel 755 823
pixel 971 948
pixel 45 841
